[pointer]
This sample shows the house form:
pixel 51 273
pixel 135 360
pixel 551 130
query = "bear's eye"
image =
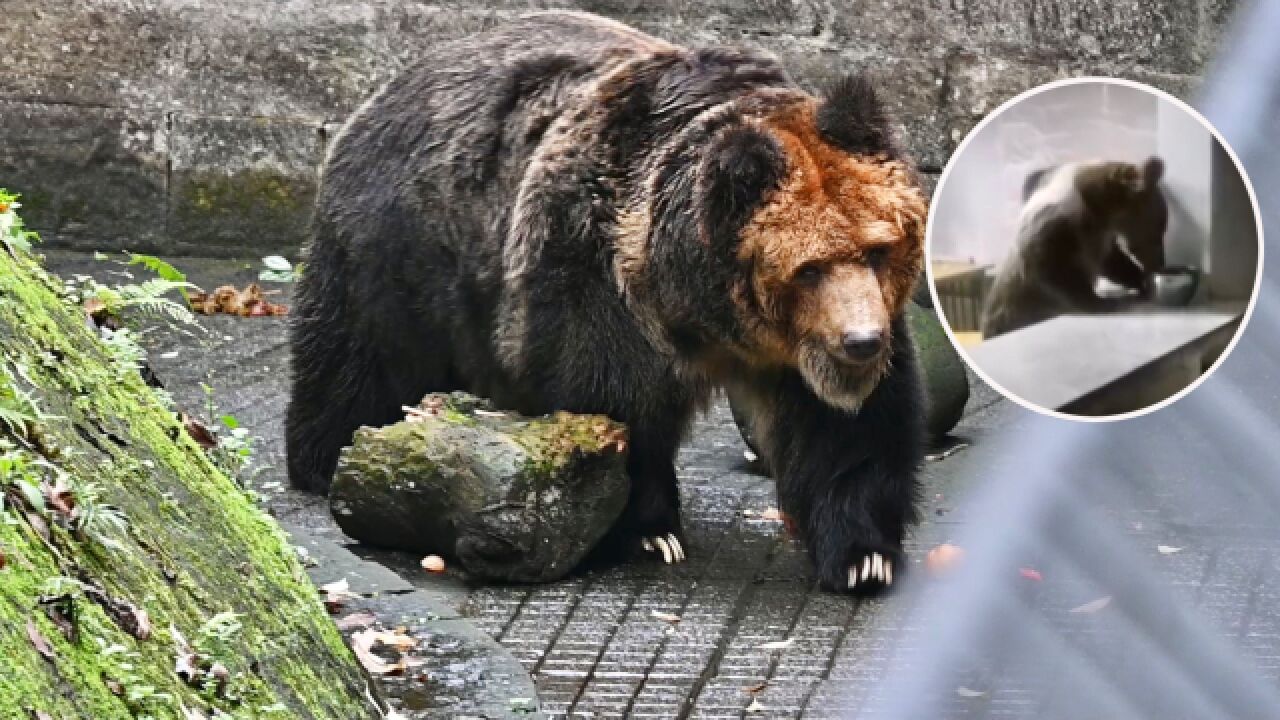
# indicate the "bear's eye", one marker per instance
pixel 808 275
pixel 875 257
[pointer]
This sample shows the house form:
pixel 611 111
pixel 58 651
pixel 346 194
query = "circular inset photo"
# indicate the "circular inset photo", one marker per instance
pixel 1094 248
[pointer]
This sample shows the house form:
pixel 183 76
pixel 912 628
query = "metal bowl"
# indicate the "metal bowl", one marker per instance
pixel 1174 285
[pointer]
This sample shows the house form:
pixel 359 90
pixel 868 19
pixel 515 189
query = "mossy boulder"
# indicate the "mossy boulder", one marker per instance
pixel 137 579
pixel 946 382
pixel 512 498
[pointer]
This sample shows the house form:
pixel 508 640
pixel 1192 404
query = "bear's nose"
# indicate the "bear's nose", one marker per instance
pixel 862 344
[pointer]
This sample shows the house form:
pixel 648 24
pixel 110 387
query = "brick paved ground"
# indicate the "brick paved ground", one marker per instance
pixel 595 648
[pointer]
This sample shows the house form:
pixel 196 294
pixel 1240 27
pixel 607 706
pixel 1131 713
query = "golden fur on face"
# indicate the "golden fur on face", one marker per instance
pixel 836 249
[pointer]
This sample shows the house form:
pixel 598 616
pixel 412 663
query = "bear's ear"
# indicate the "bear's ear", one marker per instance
pixel 1152 171
pixel 742 165
pixel 1033 182
pixel 851 118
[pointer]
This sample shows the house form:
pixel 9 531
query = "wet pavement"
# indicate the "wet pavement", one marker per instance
pixel 602 644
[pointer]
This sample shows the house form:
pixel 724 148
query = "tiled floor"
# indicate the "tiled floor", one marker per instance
pixel 1013 647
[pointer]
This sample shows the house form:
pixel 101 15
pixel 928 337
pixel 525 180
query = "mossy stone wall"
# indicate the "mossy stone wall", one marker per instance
pixel 196 547
pixel 178 127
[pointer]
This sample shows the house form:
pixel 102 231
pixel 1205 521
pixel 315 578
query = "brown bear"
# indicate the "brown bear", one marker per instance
pixel 1079 222
pixel 567 214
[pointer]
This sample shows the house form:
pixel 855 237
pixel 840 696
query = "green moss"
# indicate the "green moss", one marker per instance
pixel 238 193
pixel 196 546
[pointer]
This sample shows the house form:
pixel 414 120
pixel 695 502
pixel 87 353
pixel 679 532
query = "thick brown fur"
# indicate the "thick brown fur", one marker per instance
pixel 856 220
pixel 1079 222
pixel 597 221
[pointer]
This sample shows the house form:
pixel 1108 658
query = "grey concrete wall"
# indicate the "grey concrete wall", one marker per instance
pixel 197 127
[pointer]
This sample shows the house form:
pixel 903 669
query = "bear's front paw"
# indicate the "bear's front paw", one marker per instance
pixel 668 544
pixel 866 570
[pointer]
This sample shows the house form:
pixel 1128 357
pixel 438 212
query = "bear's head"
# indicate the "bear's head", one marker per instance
pixel 829 247
pixel 1127 200
pixel 781 230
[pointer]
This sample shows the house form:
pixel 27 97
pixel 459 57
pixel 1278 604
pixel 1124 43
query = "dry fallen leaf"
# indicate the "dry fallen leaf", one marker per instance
pixel 38 524
pixel 1093 606
pixel 753 689
pixel 2 559
pixel 944 558
pixel 186 665
pixel 198 432
pixel 1167 549
pixel 934 457
pixel 129 617
pixel 362 643
pixel 433 564
pixel 357 620
pixel 771 514
pixel 229 300
pixel 965 692
pixel 221 676
pixel 338 589
pixel 397 639
pixel 96 309
pixel 1031 574
pixel 777 644
pixel 58 609
pixel 665 617
pixel 38 642
pixel 59 497
pixel 336 594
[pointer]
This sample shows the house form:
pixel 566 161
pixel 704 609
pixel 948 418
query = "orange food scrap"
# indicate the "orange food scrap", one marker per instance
pixel 943 558
pixel 229 300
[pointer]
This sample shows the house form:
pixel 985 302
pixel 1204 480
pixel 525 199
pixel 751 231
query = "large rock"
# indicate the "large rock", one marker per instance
pixel 123 550
pixel 513 498
pixel 945 381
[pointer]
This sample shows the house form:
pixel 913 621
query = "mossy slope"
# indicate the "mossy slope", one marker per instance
pixel 196 547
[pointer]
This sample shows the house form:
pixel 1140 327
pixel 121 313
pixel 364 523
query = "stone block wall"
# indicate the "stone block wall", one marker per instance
pixel 189 127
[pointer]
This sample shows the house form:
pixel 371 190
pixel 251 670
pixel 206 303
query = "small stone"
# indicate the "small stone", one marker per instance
pixel 433 564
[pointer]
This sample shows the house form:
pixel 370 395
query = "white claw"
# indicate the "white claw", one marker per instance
pixel 853 577
pixel 666 549
pixel 866 568
pixel 877 566
pixel 888 572
pixel 676 548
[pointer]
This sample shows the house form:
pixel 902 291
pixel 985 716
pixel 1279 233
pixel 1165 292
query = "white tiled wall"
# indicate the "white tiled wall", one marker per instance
pixel 977 213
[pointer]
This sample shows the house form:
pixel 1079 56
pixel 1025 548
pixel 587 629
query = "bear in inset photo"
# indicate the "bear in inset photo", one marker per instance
pixel 567 214
pixel 1080 222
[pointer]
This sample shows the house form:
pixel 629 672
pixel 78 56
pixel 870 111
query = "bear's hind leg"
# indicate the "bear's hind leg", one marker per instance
pixel 324 411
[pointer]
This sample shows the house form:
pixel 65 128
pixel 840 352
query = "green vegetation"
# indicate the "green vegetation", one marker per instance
pixel 120 538
pixel 276 268
pixel 13 233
